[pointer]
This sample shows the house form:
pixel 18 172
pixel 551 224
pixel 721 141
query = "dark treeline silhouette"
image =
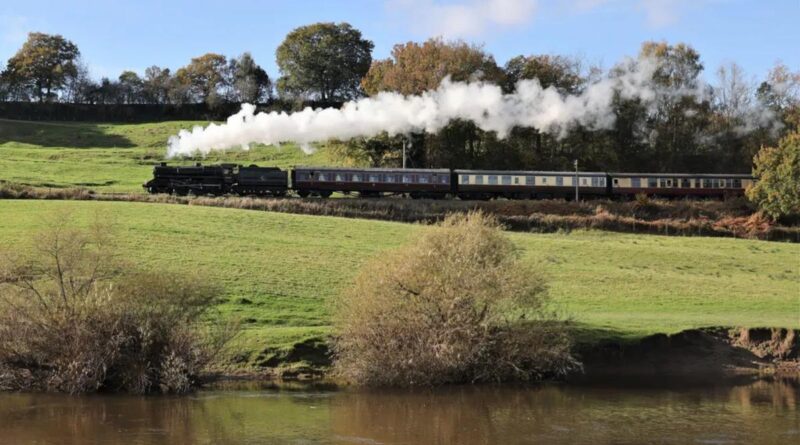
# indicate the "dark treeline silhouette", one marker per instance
pixel 719 128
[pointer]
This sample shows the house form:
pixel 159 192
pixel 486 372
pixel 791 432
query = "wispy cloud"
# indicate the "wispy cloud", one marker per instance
pixel 656 13
pixel 476 18
pixel 470 18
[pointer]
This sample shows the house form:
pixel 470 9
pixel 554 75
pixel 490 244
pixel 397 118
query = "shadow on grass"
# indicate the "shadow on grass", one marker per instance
pixel 51 134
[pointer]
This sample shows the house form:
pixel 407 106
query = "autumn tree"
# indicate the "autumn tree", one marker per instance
pixel 203 77
pixel 324 61
pixel 43 64
pixel 560 72
pixel 781 93
pixel 417 67
pixel 777 191
pixel 156 84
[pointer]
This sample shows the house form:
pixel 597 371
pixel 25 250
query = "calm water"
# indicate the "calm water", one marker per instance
pixel 757 413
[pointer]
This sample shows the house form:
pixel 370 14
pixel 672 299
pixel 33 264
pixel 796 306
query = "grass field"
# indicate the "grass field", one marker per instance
pixel 279 271
pixel 110 157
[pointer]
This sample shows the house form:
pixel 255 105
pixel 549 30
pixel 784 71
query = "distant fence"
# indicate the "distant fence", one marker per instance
pixel 34 111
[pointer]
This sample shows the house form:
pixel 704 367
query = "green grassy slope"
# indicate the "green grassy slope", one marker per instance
pixel 279 270
pixel 110 157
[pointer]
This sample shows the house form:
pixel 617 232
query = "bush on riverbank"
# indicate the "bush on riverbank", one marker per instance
pixel 75 318
pixel 457 306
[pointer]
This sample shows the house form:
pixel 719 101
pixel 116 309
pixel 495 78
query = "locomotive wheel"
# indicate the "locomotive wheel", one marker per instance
pixel 302 193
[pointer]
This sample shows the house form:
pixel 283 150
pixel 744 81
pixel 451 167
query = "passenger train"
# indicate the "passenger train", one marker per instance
pixel 436 183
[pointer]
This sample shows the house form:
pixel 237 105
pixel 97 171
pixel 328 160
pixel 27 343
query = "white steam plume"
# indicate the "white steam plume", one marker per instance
pixel 482 103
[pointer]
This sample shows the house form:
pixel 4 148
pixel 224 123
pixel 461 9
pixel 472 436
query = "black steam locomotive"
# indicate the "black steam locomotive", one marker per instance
pixel 435 183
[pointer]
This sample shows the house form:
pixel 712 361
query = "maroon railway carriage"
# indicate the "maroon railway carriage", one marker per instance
pixel 372 182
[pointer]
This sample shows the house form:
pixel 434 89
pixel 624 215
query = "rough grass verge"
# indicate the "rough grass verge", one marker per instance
pixel 735 218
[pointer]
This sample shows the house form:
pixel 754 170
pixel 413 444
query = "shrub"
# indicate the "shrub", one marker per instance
pixel 74 318
pixel 456 306
pixel 777 192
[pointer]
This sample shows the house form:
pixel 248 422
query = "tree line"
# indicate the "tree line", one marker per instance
pixel 720 130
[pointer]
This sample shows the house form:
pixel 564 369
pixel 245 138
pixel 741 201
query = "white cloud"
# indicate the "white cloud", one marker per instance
pixel 657 13
pixel 468 18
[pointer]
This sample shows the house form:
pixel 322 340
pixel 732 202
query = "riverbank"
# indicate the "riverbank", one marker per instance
pixel 734 218
pixel 279 272
pixel 692 354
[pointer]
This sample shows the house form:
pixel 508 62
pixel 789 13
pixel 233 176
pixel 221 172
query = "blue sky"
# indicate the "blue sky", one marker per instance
pixel 117 35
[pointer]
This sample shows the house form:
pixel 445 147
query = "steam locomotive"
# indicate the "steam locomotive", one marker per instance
pixel 253 180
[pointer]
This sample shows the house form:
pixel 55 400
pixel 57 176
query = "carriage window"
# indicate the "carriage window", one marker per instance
pixel 685 183
pixel 669 182
pixel 406 179
pixel 506 180
pixel 516 179
pixel 302 176
pixel 321 177
pixel 616 181
pixel 389 178
pixel 444 179
pixel 492 179
pixel 374 178
pixel 652 182
pixel 423 179
pixel 356 177
pixel 465 179
pixel 737 183
pixel 339 177
pixel 559 180
pixel 530 180
pixel 584 181
pixel 721 183
pixel 479 179
pixel 706 183
pixel 636 182
pixel 544 179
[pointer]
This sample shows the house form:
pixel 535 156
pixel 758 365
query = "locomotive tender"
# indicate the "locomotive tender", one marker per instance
pixel 436 183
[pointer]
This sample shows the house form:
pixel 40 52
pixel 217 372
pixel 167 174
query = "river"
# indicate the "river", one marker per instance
pixel 751 413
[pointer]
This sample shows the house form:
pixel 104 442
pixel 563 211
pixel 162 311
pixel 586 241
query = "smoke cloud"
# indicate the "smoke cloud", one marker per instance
pixel 483 103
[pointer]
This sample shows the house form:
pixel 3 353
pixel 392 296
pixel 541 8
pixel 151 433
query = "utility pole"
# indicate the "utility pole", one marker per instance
pixel 576 181
pixel 404 152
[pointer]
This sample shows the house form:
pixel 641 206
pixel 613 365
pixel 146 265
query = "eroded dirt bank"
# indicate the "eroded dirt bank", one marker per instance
pixel 709 352
pixel 695 354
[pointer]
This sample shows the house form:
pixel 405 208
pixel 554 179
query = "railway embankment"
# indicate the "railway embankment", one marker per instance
pixel 734 217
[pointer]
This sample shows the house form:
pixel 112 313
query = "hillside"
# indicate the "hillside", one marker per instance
pixel 279 271
pixel 110 157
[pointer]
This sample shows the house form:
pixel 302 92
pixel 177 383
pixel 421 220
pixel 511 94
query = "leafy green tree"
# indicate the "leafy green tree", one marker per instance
pixel 777 191
pixel 249 82
pixel 43 64
pixel 204 77
pixel 131 87
pixel 325 61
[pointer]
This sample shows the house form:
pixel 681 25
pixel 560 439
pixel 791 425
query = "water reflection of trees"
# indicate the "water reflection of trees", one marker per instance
pixel 574 415
pixel 762 412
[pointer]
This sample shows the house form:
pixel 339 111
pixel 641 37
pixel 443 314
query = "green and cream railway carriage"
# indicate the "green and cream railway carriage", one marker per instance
pixel 485 184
